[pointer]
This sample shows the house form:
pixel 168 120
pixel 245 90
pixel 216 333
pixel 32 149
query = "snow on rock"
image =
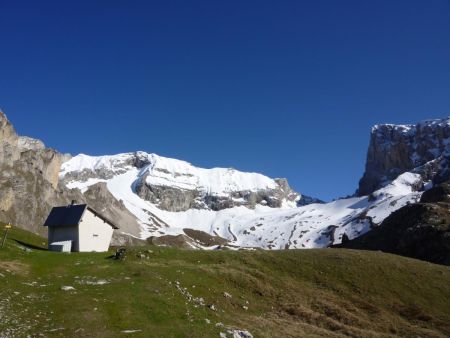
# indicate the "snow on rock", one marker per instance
pixel 175 185
pixel 423 148
pixel 164 171
pixel 243 223
pixel 217 181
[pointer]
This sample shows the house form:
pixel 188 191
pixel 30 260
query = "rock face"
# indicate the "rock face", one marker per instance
pixel 34 178
pixel 29 185
pixel 9 142
pixel 99 197
pixel 28 179
pixel 174 185
pixel 394 149
pixel 178 199
pixel 150 196
pixel 168 196
pixel 420 230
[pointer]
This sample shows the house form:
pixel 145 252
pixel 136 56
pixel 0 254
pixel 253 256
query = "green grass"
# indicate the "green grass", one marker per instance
pixel 294 293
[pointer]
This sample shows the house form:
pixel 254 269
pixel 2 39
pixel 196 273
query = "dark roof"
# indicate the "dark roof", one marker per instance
pixel 71 215
pixel 66 215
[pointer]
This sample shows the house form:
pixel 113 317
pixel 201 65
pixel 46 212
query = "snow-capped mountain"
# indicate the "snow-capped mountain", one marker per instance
pixel 150 195
pixel 248 209
pixel 175 185
pixel 252 210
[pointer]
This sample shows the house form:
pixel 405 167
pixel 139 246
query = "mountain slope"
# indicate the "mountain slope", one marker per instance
pixel 420 230
pixel 175 185
pixel 289 293
pixel 30 187
pixel 153 196
pixel 249 210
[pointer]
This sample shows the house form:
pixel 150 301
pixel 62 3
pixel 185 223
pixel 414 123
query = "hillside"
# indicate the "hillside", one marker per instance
pixel 419 230
pixel 170 292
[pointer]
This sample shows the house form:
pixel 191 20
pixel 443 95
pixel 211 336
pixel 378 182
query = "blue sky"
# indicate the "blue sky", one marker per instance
pixel 286 88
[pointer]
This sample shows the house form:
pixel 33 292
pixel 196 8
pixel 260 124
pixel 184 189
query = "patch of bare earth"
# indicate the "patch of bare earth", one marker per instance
pixel 14 267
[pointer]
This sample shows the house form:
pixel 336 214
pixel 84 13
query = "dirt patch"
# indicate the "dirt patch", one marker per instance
pixel 15 267
pixel 205 238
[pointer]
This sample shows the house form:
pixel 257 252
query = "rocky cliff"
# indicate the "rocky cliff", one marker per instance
pixel 29 185
pixel 174 185
pixel 28 179
pixel 420 230
pixel 151 196
pixel 34 178
pixel 394 149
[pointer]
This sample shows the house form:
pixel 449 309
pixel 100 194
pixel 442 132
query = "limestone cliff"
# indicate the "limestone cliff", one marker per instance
pixel 394 149
pixel 29 184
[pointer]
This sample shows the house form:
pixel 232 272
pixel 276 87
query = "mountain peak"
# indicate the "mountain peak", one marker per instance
pixel 178 185
pixel 395 149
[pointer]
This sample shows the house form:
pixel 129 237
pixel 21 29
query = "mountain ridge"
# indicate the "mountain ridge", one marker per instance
pixel 154 196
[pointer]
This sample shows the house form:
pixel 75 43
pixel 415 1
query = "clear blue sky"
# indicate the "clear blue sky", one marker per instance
pixel 286 88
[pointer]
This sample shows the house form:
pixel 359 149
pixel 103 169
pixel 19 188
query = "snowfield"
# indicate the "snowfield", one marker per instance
pixel 310 226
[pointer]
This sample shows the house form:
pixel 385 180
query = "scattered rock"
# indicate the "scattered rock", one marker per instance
pixel 236 333
pixel 119 254
pixel 93 281
pixel 67 288
pixel 227 295
pixel 212 307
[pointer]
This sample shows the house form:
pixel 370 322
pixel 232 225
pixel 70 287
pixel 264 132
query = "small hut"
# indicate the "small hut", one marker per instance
pixel 78 228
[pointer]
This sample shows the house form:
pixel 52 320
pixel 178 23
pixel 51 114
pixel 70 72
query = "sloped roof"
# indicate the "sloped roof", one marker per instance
pixel 71 215
pixel 106 220
pixel 65 215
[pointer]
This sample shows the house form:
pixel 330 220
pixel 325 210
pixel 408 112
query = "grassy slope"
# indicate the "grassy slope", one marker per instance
pixel 329 292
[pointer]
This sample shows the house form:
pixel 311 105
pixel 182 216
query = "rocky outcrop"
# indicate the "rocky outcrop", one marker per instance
pixel 394 149
pixel 169 198
pixel 174 185
pixel 190 239
pixel 29 185
pixel 28 179
pixel 99 198
pixel 8 142
pixel 420 230
pixel 176 199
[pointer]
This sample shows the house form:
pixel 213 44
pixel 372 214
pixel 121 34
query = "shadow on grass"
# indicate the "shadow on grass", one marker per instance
pixel 31 246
